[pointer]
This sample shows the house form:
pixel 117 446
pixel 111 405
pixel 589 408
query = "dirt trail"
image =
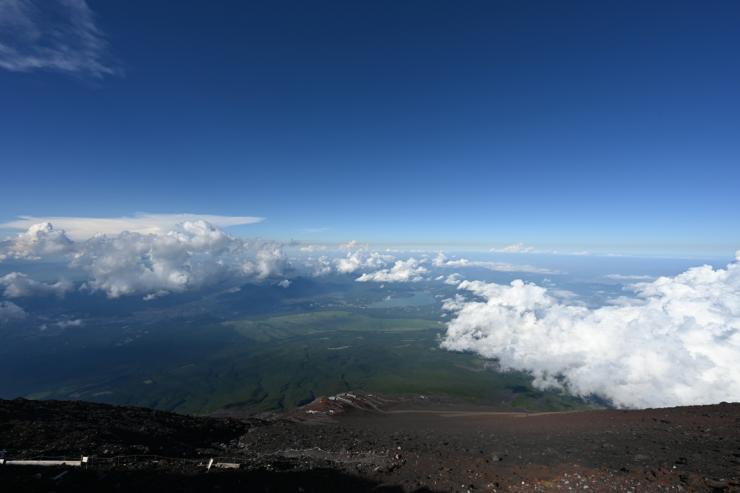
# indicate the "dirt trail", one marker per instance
pixel 468 414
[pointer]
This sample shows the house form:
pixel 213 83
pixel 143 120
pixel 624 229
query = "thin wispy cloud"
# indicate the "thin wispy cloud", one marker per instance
pixel 514 248
pixel 629 277
pixel 54 35
pixel 441 260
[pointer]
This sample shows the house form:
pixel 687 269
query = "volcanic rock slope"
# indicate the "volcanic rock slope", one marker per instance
pixel 364 442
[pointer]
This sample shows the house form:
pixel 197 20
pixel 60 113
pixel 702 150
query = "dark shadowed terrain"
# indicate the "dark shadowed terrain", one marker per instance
pixel 366 442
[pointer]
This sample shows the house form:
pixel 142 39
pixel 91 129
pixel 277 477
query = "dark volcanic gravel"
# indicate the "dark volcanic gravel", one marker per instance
pixel 368 443
pixel 72 428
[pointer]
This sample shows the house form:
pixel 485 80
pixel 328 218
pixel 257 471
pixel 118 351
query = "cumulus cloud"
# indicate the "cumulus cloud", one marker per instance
pixel 514 248
pixel 320 266
pixel 677 342
pixel 11 311
pixel 409 270
pixel 453 279
pixel 81 228
pixel 58 35
pixel 352 245
pixel 362 260
pixel 270 260
pixel 190 255
pixel 19 285
pixel 132 262
pixel 441 260
pixel 40 240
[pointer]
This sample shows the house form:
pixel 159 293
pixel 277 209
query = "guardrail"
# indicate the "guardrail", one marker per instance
pixel 123 460
pixel 24 462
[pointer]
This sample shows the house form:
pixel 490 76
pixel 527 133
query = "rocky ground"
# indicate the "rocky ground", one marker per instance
pixel 362 442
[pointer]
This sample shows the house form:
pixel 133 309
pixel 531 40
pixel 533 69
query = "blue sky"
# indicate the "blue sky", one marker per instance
pixel 606 126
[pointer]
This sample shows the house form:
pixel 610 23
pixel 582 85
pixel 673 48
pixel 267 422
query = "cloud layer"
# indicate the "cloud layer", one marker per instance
pixel 384 267
pixel 677 342
pixel 514 248
pixel 81 228
pixel 59 35
pixel 157 254
pixel 191 255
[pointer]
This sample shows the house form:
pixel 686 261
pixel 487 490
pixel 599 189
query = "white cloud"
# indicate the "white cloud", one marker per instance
pixel 409 270
pixel 59 35
pixel 453 279
pixel 40 240
pixel 269 261
pixel 676 343
pixel 285 283
pixel 362 260
pixel 514 248
pixel 131 263
pixel 19 285
pixel 81 228
pixel 352 245
pixel 321 266
pixel 376 266
pixel 629 277
pixel 441 260
pixel 190 255
pixel 10 311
